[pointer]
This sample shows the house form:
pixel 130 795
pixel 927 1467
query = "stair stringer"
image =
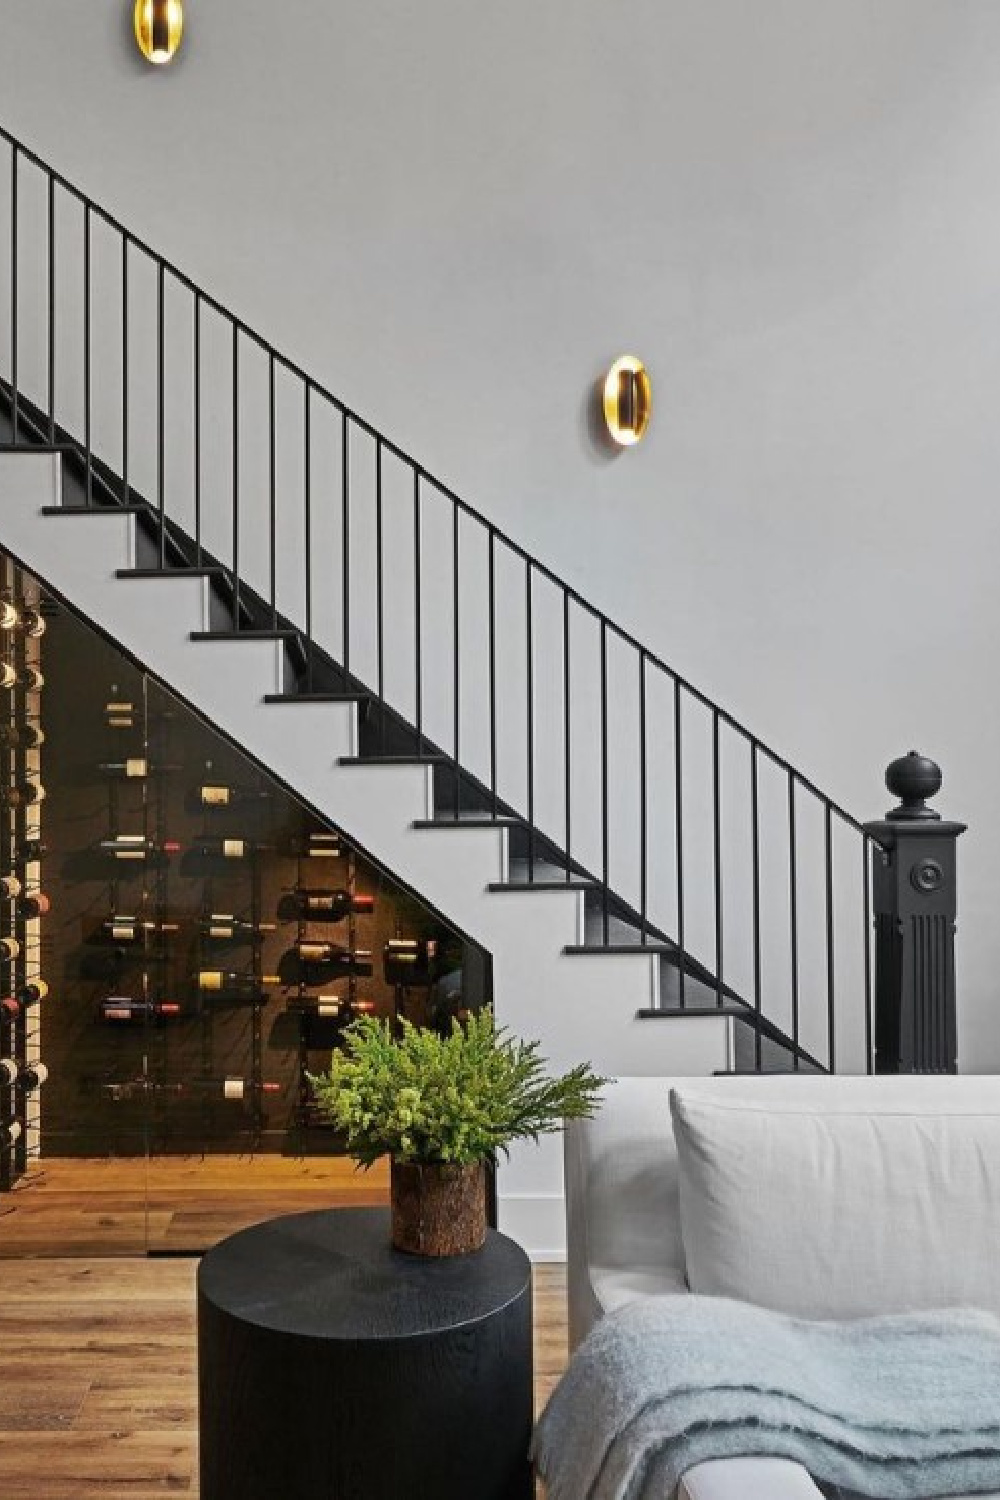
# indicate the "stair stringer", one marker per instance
pixel 579 1008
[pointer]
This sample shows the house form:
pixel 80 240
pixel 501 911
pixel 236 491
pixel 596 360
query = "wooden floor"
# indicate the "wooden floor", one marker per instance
pixel 97 1399
pixel 97 1342
pixel 174 1205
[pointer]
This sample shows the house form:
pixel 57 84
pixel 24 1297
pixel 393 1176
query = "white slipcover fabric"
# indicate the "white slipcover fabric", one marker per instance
pixel 623 1214
pixel 746 1478
pixel 858 1196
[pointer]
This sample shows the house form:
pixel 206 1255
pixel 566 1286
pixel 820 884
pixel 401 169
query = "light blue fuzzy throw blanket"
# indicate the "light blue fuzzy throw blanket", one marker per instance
pixel 901 1407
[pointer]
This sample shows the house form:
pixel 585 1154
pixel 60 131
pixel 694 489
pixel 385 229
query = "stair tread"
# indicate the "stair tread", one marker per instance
pixel 169 572
pixel 539 885
pixel 358 697
pixel 245 635
pixel 669 1012
pixel 576 949
pixel 475 822
pixel 393 760
pixel 96 510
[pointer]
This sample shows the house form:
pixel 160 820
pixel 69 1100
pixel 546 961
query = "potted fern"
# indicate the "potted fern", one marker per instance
pixel 443 1107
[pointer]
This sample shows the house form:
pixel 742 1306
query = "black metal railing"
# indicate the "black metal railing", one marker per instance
pixel 701 843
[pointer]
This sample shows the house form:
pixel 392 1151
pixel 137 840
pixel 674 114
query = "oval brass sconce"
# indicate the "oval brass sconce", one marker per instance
pixel 627 400
pixel 158 28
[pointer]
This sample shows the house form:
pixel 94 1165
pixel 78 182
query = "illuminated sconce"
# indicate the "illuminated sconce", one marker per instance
pixel 158 27
pixel 627 400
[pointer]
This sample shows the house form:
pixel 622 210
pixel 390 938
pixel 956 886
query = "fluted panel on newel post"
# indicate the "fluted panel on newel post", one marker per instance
pixel 914 904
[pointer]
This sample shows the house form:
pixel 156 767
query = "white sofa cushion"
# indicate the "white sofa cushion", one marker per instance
pixel 854 1196
pixel 748 1479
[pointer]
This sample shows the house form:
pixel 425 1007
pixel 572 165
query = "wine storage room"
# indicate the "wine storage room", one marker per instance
pixel 182 943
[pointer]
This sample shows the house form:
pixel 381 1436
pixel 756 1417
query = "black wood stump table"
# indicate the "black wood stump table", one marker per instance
pixel 332 1367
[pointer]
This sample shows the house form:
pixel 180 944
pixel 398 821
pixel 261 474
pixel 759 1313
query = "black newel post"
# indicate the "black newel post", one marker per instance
pixel 913 898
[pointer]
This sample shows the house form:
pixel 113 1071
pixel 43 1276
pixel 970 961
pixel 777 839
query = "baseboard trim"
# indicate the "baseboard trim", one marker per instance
pixel 537 1221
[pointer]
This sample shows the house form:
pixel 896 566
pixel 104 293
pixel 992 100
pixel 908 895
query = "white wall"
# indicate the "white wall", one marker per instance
pixel 455 215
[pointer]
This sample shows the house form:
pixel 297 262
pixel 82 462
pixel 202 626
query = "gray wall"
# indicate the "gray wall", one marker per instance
pixel 456 215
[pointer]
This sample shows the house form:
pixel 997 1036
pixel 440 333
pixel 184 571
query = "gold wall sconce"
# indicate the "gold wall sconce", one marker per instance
pixel 627 400
pixel 158 28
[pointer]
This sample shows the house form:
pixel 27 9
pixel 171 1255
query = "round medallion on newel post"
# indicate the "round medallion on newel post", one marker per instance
pixel 914 906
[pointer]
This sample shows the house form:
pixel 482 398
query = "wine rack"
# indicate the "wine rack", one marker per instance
pixel 22 626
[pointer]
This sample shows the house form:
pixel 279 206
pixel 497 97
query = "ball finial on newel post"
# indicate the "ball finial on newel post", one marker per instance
pixel 913 778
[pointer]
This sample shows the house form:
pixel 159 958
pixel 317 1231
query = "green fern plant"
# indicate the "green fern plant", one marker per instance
pixel 460 1098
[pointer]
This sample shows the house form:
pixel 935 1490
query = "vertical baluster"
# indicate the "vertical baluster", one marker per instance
pixel 866 853
pixel 755 817
pixel 643 808
pixel 126 382
pixel 830 976
pixel 307 523
pixel 605 813
pixel 87 353
pixel 52 308
pixel 418 665
pixel 529 641
pixel 717 855
pixel 196 396
pixel 457 685
pixel 345 497
pixel 679 844
pixel 567 738
pixel 379 602
pixel 793 916
pixel 160 408
pixel 236 477
pixel 492 591
pixel 14 292
pixel 272 489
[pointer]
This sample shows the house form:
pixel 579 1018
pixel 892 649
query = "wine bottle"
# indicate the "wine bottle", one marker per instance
pixel 21 736
pixel 119 714
pixel 325 906
pixel 219 794
pixel 136 846
pixel 35 906
pixel 31 851
pixel 409 961
pixel 214 848
pixel 322 1007
pixel 232 984
pixel 126 929
pixel 10 1010
pixel 135 769
pixel 320 846
pixel 9 615
pixel 32 1077
pixel 34 679
pixel 10 887
pixel 10 1134
pixel 8 1072
pixel 10 949
pixel 8 677
pixel 33 991
pixel 123 1010
pixel 224 927
pixel 33 622
pixel 332 958
pixel 23 794
pixel 229 1088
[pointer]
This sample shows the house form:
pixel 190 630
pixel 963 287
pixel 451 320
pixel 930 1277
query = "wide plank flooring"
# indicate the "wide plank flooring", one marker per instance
pixel 98 1395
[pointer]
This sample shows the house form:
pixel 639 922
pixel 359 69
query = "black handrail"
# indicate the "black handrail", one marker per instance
pixel 531 788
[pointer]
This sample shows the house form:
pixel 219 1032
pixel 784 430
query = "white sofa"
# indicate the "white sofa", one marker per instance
pixel 623 1214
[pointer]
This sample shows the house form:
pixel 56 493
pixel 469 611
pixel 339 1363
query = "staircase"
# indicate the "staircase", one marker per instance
pixel 659 890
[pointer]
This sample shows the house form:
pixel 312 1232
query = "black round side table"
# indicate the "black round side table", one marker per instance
pixel 332 1367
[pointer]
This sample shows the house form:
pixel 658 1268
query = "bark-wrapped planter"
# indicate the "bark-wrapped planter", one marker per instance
pixel 438 1208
